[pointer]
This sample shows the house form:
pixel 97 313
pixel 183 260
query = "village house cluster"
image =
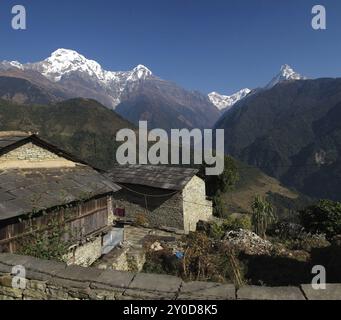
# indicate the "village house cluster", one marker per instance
pixel 40 183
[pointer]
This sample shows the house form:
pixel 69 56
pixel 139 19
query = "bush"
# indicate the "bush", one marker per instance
pixel 308 243
pixel 324 217
pixel 49 243
pixel 218 205
pixel 236 223
pixel 216 231
pixel 162 262
pixel 262 216
pixel 209 260
pixel 223 182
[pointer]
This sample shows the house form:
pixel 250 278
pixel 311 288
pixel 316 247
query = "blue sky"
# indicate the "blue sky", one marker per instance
pixel 205 45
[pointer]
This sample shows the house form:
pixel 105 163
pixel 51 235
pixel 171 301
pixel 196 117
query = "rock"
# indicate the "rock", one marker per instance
pixel 332 292
pixel 156 246
pixel 248 242
pixel 269 293
pixel 198 290
pixel 149 286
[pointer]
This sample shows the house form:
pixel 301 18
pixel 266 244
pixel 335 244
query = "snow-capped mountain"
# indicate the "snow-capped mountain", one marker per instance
pixel 64 64
pixel 286 73
pixel 7 65
pixel 223 102
pixel 135 94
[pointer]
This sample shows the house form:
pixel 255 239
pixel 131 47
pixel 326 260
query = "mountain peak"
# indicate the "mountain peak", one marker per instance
pixel 64 52
pixel 65 61
pixel 223 102
pixel 140 72
pixel 286 73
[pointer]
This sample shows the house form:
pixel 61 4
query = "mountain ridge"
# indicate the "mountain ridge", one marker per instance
pixel 226 102
pixel 76 76
pixel 292 133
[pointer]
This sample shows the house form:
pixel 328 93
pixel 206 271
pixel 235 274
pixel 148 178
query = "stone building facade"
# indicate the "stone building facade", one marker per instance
pixel 165 197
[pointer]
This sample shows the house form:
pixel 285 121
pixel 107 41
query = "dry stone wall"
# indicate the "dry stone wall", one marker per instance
pixel 49 280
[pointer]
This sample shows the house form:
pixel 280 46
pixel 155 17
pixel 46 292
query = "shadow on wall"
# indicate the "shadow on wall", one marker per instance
pixel 282 271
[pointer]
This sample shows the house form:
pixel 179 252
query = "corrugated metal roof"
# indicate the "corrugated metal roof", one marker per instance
pixel 24 191
pixel 163 177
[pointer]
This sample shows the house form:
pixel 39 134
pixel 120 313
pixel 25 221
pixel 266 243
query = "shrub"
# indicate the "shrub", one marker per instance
pixel 236 223
pixel 218 205
pixel 262 216
pixel 162 262
pixel 308 242
pixel 216 231
pixel 324 217
pixel 206 259
pixel 223 182
pixel 49 243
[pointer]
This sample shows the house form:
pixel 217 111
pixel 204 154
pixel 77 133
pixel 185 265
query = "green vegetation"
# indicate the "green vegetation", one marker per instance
pixel 216 186
pixel 225 181
pixel 217 230
pixel 324 217
pixel 262 216
pixel 82 127
pixel 50 242
pixel 235 223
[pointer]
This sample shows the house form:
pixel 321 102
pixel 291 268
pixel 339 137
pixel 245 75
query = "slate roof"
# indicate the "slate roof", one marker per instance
pixel 163 177
pixel 24 191
pixel 7 141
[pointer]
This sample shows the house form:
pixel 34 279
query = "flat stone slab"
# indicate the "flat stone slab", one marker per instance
pixel 199 290
pixel 44 266
pixel 14 259
pixel 154 286
pixel 116 279
pixel 32 264
pixel 79 273
pixel 269 293
pixel 4 268
pixel 332 292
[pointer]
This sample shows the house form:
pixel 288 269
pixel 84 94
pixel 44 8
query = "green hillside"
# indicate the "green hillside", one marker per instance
pixel 81 126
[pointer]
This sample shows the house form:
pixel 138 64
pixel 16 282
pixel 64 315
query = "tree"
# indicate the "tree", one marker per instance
pixel 223 182
pixel 262 216
pixel 218 205
pixel 323 217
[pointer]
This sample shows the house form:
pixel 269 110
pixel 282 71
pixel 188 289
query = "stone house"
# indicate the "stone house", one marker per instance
pixel 40 183
pixel 163 196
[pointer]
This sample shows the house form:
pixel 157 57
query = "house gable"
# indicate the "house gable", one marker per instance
pixel 30 155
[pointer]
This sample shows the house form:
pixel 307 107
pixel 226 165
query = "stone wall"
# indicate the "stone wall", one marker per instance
pixel 164 209
pixel 86 254
pixel 53 280
pixel 32 156
pixel 180 210
pixel 195 205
